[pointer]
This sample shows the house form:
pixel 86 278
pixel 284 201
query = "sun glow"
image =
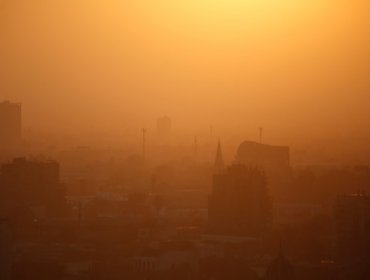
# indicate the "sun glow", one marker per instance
pixel 261 10
pixel 237 17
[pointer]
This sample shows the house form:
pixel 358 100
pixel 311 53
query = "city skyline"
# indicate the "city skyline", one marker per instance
pixel 187 140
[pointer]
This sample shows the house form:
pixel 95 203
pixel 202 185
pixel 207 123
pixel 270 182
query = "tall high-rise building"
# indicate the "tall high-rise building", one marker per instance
pixel 10 123
pixel 33 184
pixel 271 157
pixel 239 204
pixel 352 221
pixel 274 160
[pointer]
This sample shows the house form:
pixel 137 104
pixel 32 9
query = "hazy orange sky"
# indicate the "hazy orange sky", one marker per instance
pixel 291 65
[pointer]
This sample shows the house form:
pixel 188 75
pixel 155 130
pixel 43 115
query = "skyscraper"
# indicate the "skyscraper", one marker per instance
pixel 10 123
pixel 239 204
pixel 274 160
pixel 352 221
pixel 32 184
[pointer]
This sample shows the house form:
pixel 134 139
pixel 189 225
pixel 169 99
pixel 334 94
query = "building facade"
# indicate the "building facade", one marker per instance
pixel 239 204
pixel 32 184
pixel 352 222
pixel 273 160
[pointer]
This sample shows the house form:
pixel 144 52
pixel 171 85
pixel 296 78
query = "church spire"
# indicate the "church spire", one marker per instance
pixel 280 268
pixel 219 162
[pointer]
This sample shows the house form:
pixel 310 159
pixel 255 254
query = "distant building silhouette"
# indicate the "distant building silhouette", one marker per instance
pixel 170 260
pixel 280 268
pixel 274 160
pixel 32 184
pixel 239 203
pixel 10 123
pixel 164 126
pixel 352 220
pixel 5 250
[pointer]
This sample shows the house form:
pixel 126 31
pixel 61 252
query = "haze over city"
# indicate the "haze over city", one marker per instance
pixel 190 140
pixel 300 69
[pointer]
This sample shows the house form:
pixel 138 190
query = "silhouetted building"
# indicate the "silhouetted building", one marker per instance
pixel 171 260
pixel 10 123
pixel 266 155
pixel 352 219
pixel 164 126
pixel 216 268
pixel 5 250
pixel 32 184
pixel 239 203
pixel 274 160
pixel 280 269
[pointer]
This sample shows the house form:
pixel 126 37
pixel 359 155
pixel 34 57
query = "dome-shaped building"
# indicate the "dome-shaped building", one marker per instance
pixel 280 269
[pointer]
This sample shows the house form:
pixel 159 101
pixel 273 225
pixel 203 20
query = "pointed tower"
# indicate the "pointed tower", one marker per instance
pixel 280 268
pixel 219 162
